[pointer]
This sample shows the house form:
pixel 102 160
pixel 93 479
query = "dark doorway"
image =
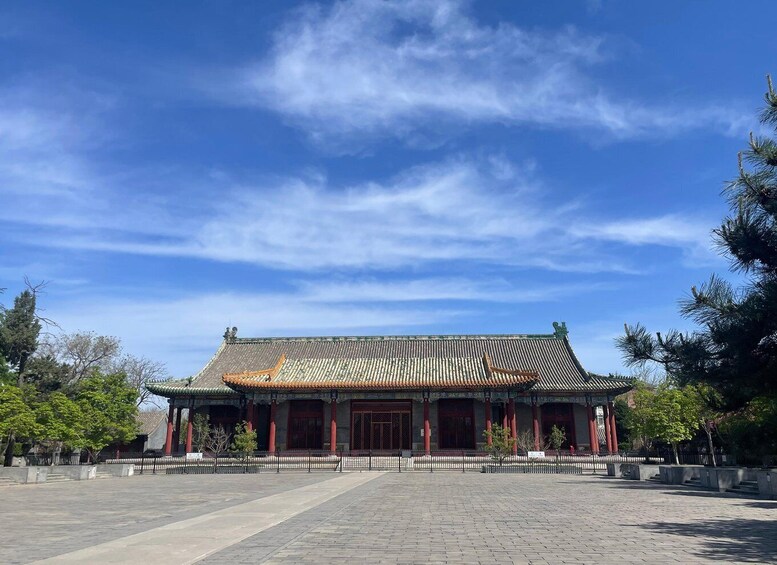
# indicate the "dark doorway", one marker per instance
pixel 561 415
pixel 456 422
pixel 381 425
pixel 306 424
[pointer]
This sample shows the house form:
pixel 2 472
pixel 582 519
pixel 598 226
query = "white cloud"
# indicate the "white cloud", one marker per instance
pixel 482 211
pixel 392 67
pixel 185 331
pixel 173 328
pixel 440 288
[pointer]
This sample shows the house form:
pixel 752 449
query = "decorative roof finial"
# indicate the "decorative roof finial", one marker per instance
pixel 560 331
pixel 230 334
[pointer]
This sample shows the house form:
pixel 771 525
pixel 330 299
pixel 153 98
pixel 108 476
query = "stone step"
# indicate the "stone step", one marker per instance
pixel 745 487
pixel 5 481
pixel 56 478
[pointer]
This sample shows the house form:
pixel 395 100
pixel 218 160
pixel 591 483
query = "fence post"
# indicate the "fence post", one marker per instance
pixel 142 460
pixel 155 458
pixel 277 462
pixel 341 460
pixel 462 462
pixel 185 466
pixel 216 464
pixel 308 461
pixel 399 458
pixel 370 459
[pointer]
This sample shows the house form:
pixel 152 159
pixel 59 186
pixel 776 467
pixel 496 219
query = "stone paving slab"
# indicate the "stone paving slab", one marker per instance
pixel 408 518
pixel 190 540
pixel 49 519
pixel 467 518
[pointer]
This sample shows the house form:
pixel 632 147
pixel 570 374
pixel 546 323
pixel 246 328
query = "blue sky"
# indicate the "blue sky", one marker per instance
pixel 370 167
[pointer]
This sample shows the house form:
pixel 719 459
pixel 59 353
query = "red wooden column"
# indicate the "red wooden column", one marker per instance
pixel 271 440
pixel 488 420
pixel 593 437
pixel 513 427
pixel 504 416
pixel 427 428
pixel 613 430
pixel 333 425
pixel 250 416
pixel 535 421
pixel 607 428
pixel 177 433
pixel 189 429
pixel 169 438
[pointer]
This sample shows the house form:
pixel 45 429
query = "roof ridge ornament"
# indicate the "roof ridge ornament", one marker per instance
pixel 230 334
pixel 560 331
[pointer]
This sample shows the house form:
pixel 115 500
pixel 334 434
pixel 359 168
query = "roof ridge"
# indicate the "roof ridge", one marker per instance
pixel 417 337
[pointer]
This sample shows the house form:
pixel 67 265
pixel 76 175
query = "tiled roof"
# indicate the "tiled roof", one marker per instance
pixel 393 373
pixel 378 359
pixel 148 421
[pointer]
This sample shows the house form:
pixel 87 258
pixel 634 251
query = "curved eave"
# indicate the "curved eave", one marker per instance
pixel 168 391
pixel 249 385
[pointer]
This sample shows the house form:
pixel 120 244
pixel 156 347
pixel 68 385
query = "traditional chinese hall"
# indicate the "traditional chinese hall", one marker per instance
pixel 388 393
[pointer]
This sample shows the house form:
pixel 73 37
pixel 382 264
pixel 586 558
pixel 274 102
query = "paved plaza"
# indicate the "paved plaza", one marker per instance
pixel 381 518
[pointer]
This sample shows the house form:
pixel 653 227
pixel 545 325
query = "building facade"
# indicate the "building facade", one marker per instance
pixel 390 393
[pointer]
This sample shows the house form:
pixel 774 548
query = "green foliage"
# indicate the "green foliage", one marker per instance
pixel 60 419
pixel 666 413
pixel 734 349
pixel 47 374
pixel 109 408
pixel 501 443
pixel 200 432
pixel 622 414
pixel 6 376
pixel 749 433
pixel 19 330
pixel 557 437
pixel 17 414
pixel 244 440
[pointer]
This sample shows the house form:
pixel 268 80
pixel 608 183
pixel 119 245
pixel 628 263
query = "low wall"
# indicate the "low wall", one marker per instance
pixel 679 474
pixel 25 475
pixel 118 469
pixel 638 471
pixel 76 472
pixel 767 483
pixel 721 478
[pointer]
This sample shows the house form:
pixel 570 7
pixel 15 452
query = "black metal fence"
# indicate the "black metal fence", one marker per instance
pixel 349 461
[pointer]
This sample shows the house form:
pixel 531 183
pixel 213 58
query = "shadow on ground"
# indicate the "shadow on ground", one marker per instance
pixel 742 540
pixel 685 490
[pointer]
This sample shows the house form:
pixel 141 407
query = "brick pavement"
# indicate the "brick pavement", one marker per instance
pixel 413 518
pixel 472 518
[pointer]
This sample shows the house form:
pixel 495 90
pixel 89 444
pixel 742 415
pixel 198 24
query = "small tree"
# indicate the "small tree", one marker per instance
pixel 218 440
pixel 201 432
pixel 244 441
pixel 557 437
pixel 501 443
pixel 61 422
pixel 109 407
pixel 666 413
pixel 17 418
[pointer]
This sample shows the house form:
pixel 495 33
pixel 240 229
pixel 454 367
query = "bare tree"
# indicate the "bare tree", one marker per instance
pixel 139 371
pixel 84 352
pixel 218 442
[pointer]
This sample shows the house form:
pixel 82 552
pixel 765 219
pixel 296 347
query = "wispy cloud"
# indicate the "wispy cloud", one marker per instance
pixel 394 67
pixel 174 327
pixel 485 211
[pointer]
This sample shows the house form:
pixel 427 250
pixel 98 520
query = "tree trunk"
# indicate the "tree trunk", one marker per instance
pixel 708 431
pixel 8 458
pixel 676 457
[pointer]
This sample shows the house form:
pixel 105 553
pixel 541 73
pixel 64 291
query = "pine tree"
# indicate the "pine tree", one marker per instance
pixel 19 330
pixel 734 349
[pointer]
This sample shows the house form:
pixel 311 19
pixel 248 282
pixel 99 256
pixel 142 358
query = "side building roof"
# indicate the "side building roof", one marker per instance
pixel 540 363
